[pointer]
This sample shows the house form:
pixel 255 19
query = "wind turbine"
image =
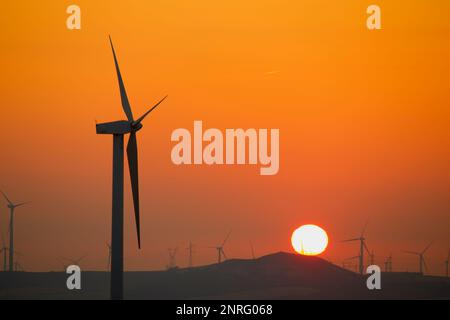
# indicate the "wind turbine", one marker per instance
pixel 11 207
pixel 362 247
pixel 388 264
pixel 220 251
pixel 372 258
pixel 4 249
pixel 190 249
pixel 118 129
pixel 172 256
pixel 422 263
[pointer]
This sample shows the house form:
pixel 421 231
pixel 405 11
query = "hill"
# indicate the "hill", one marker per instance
pixel 276 276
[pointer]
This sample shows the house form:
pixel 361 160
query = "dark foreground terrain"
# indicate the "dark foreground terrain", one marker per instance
pixel 276 276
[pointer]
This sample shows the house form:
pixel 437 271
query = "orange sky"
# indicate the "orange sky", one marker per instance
pixel 363 118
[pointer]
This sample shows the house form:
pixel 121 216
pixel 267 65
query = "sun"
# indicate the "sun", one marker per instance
pixel 309 240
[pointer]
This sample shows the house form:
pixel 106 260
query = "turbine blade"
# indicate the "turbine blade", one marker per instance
pixel 428 247
pixel 132 154
pixel 123 94
pixel 349 240
pixel 22 203
pixel 223 253
pixel 412 252
pixel 224 241
pixel 364 229
pixel 365 247
pixel 4 195
pixel 152 108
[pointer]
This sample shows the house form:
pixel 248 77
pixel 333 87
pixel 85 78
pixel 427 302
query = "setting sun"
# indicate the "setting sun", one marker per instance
pixel 309 240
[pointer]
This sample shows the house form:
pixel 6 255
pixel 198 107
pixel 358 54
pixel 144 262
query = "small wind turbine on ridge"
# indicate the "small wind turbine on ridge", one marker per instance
pixel 422 263
pixel 220 251
pixel 118 129
pixel 11 207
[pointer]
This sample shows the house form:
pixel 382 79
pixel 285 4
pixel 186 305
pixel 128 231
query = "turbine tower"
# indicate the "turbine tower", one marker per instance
pixel 388 264
pixel 11 207
pixel 172 259
pixel 372 258
pixel 362 247
pixel 220 251
pixel 422 263
pixel 190 249
pixel 118 129
pixel 4 250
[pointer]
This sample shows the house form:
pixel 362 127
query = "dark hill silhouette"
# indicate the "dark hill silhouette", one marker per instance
pixel 276 276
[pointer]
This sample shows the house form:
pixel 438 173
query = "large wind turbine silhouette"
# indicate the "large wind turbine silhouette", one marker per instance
pixel 388 264
pixel 172 259
pixel 220 251
pixel 118 129
pixel 362 247
pixel 11 207
pixel 422 263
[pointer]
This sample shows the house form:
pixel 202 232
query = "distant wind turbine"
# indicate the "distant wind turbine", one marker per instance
pixel 220 251
pixel 388 264
pixel 4 250
pixel 362 247
pixel 422 263
pixel 372 258
pixel 118 129
pixel 190 249
pixel 11 207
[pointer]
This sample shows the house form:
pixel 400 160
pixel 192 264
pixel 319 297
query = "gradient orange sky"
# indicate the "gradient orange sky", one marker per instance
pixel 363 116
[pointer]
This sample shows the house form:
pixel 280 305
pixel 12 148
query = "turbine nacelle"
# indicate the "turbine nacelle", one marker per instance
pixel 118 127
